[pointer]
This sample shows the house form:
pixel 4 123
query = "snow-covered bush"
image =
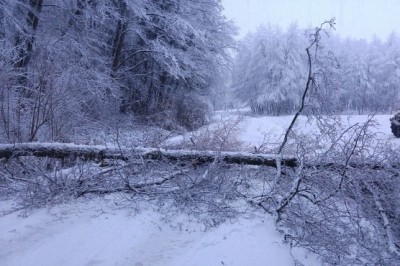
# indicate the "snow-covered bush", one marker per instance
pixel 192 113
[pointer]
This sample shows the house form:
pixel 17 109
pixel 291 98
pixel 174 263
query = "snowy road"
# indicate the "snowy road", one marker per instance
pixel 94 232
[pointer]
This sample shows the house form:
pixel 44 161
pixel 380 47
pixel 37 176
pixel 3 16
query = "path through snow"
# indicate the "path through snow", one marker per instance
pixel 95 232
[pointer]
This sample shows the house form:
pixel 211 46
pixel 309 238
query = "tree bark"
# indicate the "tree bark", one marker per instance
pixel 62 150
pixel 67 150
pixel 119 38
pixel 26 47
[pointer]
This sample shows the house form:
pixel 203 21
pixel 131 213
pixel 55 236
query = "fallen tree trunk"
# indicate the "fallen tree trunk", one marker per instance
pixel 64 150
pixel 98 153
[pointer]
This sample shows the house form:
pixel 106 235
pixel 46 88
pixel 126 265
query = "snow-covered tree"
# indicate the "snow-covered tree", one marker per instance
pixel 351 75
pixel 171 52
pixel 269 70
pixel 67 63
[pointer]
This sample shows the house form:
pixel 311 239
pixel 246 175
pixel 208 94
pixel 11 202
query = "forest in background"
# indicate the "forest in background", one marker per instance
pixel 352 76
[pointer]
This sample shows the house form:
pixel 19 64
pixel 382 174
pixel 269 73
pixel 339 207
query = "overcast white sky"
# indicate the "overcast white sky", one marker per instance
pixel 356 18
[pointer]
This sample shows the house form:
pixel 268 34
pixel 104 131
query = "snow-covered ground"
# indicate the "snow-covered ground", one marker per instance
pixel 255 131
pixel 97 232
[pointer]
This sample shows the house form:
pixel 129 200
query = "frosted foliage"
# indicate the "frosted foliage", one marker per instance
pixel 269 70
pixel 350 75
pixel 73 62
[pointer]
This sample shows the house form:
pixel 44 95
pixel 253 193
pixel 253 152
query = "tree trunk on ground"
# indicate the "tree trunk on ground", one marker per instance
pixel 62 150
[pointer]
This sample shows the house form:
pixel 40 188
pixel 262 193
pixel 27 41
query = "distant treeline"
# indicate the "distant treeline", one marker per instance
pixel 350 75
